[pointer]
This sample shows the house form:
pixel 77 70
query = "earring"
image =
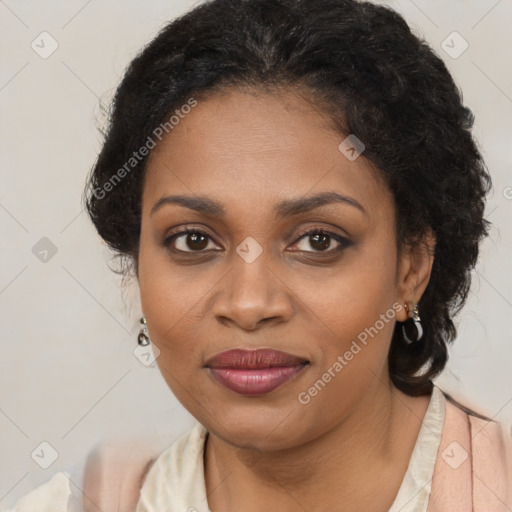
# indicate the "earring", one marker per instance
pixel 412 325
pixel 143 337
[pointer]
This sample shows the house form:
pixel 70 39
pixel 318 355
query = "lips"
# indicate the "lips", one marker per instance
pixel 254 372
pixel 252 359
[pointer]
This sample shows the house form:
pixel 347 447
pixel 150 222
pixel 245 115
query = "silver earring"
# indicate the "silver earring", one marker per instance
pixel 411 328
pixel 143 337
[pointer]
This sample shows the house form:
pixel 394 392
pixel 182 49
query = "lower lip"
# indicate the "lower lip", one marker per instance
pixel 255 382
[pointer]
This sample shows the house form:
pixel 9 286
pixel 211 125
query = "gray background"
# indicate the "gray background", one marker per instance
pixel 69 376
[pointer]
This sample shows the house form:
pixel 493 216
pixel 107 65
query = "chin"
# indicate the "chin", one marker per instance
pixel 256 427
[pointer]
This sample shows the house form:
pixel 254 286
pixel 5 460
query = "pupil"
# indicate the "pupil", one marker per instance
pixel 324 244
pixel 197 240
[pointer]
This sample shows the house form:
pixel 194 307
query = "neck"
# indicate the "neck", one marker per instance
pixel 372 444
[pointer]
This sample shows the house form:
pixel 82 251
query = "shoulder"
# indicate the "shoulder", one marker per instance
pixel 474 466
pixel 487 436
pixel 491 450
pixel 108 478
pixel 176 479
pixel 52 496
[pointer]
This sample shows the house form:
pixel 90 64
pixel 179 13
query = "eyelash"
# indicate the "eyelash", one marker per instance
pixel 344 242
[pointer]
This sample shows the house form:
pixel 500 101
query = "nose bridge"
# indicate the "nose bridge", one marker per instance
pixel 251 277
pixel 251 291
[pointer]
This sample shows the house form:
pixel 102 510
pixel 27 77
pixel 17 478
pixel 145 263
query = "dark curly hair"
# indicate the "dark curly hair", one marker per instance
pixel 361 64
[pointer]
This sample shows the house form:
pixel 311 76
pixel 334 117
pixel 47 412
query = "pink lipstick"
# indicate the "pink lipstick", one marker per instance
pixel 254 372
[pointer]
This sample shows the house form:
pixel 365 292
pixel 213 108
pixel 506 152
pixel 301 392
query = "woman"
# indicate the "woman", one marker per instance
pixel 295 186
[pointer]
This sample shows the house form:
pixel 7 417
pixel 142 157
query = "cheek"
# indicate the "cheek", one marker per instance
pixel 352 325
pixel 170 305
pixel 354 297
pixel 353 314
pixel 170 300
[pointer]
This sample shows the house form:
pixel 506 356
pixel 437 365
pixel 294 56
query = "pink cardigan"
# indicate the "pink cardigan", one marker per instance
pixel 472 472
pixel 483 481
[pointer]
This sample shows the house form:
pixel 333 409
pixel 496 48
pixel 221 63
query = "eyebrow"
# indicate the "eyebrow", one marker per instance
pixel 286 208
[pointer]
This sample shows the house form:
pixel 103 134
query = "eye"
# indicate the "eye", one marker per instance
pixel 320 240
pixel 189 240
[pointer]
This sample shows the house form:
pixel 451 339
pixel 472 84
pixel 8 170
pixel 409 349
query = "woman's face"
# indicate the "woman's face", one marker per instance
pixel 247 277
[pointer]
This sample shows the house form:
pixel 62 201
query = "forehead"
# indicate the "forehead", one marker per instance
pixel 253 149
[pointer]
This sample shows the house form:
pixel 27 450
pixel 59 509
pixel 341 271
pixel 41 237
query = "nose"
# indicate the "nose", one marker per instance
pixel 253 295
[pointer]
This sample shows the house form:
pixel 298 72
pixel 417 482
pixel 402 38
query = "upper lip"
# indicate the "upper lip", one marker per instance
pixel 254 358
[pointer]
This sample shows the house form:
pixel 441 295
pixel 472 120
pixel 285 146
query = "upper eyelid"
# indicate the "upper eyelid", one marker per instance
pixel 327 231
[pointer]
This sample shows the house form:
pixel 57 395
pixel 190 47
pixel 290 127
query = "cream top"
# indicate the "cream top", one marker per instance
pixel 175 482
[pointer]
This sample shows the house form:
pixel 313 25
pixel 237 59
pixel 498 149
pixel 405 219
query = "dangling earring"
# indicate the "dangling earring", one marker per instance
pixel 413 325
pixel 143 337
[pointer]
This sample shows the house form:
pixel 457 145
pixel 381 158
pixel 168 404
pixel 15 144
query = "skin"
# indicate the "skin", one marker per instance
pixel 351 444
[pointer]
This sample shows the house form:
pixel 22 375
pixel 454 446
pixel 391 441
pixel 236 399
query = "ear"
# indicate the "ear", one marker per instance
pixel 414 269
